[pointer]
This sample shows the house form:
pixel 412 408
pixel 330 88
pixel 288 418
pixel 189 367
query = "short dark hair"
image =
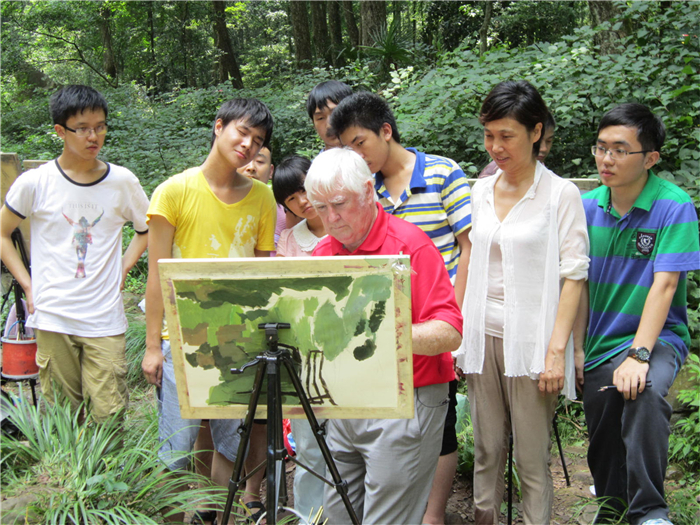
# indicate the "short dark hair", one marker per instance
pixel 519 101
pixel 332 90
pixel 73 99
pixel 365 110
pixel 549 123
pixel 651 131
pixel 251 110
pixel 289 177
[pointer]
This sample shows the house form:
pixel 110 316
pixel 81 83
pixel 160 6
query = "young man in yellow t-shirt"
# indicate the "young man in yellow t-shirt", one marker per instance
pixel 204 212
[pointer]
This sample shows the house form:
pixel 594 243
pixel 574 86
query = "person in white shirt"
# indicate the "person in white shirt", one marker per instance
pixel 529 239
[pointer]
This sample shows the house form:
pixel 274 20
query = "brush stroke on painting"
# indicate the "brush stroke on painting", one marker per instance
pixel 350 320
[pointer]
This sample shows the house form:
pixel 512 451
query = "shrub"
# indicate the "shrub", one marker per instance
pixel 81 472
pixel 685 440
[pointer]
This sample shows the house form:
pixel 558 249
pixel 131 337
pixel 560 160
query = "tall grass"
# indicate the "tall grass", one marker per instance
pixel 135 349
pixel 85 473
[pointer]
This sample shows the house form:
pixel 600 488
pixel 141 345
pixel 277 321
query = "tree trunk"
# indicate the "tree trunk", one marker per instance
pixel 108 55
pixel 396 12
pixel 320 29
pixel 185 42
pixel 228 66
pixel 150 80
pixel 351 23
pixel 606 41
pixel 373 15
pixel 300 28
pixel 336 31
pixel 484 30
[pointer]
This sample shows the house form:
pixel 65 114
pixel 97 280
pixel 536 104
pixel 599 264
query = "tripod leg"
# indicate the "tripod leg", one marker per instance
pixel 245 438
pixel 510 480
pixel 338 482
pixel 274 426
pixel 561 451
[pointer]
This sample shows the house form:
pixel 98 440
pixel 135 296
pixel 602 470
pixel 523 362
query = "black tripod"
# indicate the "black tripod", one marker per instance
pixel 269 363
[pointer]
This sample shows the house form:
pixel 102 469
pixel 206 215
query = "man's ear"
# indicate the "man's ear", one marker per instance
pixel 272 170
pixel 218 127
pixel 386 132
pixel 652 158
pixel 60 131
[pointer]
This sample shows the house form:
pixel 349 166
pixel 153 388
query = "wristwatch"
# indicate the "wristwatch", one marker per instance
pixel 639 354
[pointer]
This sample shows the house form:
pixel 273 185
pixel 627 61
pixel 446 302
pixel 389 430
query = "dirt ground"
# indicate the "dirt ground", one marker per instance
pixel 570 503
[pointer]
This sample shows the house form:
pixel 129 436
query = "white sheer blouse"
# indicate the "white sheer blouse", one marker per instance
pixel 543 241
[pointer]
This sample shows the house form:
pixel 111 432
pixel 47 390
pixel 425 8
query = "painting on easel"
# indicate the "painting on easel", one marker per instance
pixel 350 320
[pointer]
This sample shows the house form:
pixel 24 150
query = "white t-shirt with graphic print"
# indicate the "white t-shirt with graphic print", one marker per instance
pixel 76 246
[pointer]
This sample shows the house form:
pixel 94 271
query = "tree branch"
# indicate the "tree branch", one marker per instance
pixel 82 58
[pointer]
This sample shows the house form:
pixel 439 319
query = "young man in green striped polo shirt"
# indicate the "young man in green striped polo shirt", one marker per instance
pixel 644 239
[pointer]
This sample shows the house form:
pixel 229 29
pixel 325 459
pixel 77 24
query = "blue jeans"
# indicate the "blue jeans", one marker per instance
pixel 177 435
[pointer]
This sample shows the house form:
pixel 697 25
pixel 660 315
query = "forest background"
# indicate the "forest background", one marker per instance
pixel 165 68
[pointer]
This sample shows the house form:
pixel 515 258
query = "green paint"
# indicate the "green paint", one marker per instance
pixel 360 327
pixel 330 334
pixel 365 351
pixel 192 359
pixel 377 316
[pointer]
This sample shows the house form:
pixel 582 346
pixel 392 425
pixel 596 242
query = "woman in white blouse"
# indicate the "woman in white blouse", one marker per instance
pixel 528 265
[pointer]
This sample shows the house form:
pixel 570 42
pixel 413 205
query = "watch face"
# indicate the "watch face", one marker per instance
pixel 643 354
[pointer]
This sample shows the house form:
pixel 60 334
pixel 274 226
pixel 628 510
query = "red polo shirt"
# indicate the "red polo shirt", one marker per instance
pixel 432 295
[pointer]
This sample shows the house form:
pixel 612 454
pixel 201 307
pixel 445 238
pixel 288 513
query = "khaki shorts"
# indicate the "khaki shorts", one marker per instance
pixel 84 368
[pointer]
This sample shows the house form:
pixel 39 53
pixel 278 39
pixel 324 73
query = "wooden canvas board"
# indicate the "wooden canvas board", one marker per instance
pixel 350 319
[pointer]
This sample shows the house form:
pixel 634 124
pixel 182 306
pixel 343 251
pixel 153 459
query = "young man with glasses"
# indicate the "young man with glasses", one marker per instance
pixel 644 239
pixel 78 205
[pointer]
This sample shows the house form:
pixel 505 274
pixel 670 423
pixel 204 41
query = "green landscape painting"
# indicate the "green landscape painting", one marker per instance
pixel 350 322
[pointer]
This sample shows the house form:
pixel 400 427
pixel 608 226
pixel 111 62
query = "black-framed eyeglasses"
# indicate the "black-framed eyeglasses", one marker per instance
pixel 100 129
pixel 615 154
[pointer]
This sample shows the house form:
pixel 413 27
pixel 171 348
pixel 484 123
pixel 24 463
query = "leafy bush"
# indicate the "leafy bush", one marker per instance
pixel 685 440
pixel 81 473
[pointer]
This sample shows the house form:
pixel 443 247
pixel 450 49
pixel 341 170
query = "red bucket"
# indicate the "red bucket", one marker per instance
pixel 19 358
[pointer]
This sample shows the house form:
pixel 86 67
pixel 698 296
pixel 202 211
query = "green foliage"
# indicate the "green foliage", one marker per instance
pixel 465 434
pixel 135 350
pixel 391 47
pixel 439 112
pixel 683 505
pixel 526 22
pixel 684 445
pixel 694 309
pixel 86 475
pixel 571 423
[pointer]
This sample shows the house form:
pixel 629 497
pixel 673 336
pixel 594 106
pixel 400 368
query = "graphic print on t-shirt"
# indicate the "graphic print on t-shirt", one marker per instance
pixel 82 236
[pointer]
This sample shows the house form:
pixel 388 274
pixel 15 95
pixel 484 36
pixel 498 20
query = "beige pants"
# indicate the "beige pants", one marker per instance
pixel 497 404
pixel 84 367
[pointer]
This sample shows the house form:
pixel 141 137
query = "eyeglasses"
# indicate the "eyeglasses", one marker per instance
pixel 615 154
pixel 100 129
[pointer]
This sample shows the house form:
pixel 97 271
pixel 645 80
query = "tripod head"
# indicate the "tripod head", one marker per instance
pixel 271 332
pixel 273 344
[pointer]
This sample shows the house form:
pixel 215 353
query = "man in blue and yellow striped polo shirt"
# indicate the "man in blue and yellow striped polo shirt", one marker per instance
pixel 431 192
pixel 644 239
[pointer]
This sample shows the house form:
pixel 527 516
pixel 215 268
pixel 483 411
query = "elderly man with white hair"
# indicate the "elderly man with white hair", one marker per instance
pixel 388 464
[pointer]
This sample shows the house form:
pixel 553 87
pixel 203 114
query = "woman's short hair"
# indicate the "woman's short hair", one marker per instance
pixel 337 169
pixel 517 100
pixel 289 177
